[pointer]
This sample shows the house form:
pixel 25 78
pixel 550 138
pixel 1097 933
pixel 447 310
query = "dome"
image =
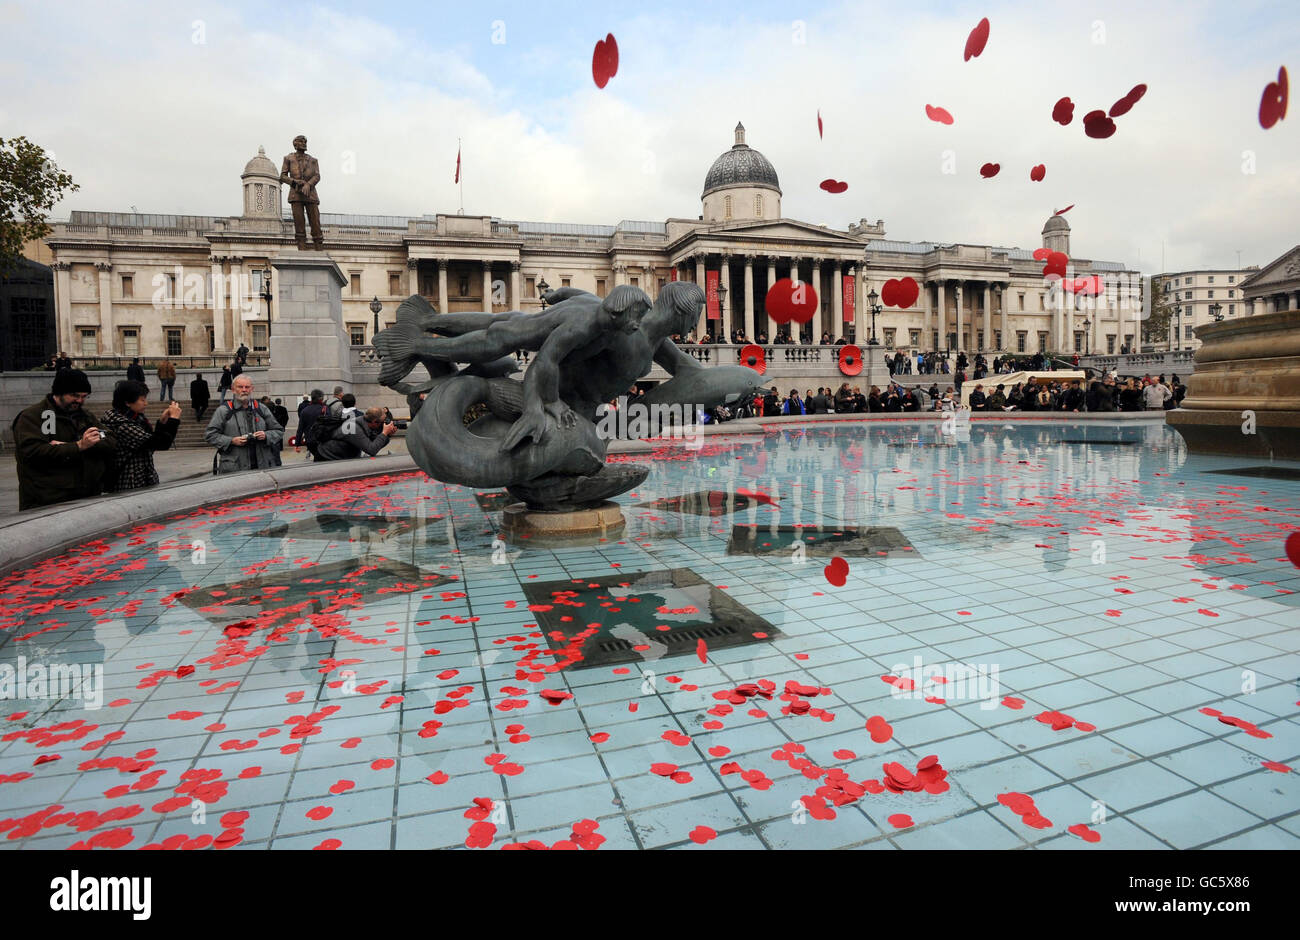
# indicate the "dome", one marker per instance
pixel 1056 223
pixel 260 165
pixel 741 166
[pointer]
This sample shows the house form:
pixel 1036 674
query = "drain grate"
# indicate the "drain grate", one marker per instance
pixel 1268 473
pixel 820 541
pixel 644 617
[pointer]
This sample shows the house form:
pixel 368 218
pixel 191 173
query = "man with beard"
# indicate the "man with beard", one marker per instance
pixel 61 452
pixel 244 432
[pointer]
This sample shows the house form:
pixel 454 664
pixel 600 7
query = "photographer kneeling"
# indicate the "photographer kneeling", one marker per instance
pixel 358 434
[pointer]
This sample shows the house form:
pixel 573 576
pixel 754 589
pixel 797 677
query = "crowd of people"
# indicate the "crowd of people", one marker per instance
pixel 65 452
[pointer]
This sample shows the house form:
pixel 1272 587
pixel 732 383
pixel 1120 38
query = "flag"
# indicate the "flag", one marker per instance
pixel 457 179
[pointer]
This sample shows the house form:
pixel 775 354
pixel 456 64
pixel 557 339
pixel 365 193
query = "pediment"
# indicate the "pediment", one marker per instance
pixel 1283 271
pixel 789 234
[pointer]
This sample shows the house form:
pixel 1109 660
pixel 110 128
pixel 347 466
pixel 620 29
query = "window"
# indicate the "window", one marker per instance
pixel 355 285
pixel 1232 293
pixel 889 337
pixel 1187 280
pixel 1187 295
pixel 636 282
pixel 394 284
pixel 1110 344
pixel 1232 279
pixel 1022 302
pixel 173 340
pixel 1211 281
pixel 259 337
pixel 1232 308
pixel 357 334
pixel 914 337
pixel 1042 341
pixel 1078 342
pixel 131 341
pixel 171 287
pixel 661 287
pixel 564 282
pixel 758 207
pixel 1021 335
pixel 212 339
pixel 464 286
pixel 89 343
pixel 1211 292
pixel 979 339
pixel 726 202
pixel 998 335
pixel 1187 331
pixel 530 287
pixel 934 339
pixel 600 287
pixel 128 286
pixel 1041 304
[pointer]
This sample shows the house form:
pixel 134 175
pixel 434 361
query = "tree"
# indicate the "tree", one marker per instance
pixel 30 186
pixel 1155 329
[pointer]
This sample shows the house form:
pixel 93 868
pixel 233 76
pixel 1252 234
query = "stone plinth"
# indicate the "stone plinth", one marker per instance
pixel 1244 397
pixel 309 345
pixel 874 370
pixel 524 526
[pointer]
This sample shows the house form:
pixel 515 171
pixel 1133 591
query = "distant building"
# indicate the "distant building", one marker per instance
pixel 27 327
pixel 1191 295
pixel 1276 286
pixel 134 284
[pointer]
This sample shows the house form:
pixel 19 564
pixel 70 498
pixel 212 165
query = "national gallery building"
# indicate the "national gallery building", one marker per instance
pixel 129 284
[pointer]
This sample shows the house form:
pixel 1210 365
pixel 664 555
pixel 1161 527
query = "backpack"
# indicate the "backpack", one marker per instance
pixel 322 430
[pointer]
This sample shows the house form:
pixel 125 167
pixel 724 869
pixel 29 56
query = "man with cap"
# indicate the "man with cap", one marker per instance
pixel 61 453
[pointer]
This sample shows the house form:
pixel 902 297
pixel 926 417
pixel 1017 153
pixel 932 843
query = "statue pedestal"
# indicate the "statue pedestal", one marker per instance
pixel 874 370
pixel 309 345
pixel 524 526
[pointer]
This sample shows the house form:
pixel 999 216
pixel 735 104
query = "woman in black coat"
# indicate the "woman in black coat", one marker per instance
pixel 223 385
pixel 200 395
pixel 136 438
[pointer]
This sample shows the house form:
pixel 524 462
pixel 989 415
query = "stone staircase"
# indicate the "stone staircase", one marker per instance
pixel 190 433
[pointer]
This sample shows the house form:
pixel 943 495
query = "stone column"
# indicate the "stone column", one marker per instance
pixel 1003 291
pixel 218 304
pixel 988 319
pixel 928 317
pixel 516 301
pixel 703 326
pixel 961 341
pixel 749 298
pixel 106 306
pixel 63 304
pixel 837 302
pixel 943 318
pixel 412 276
pixel 772 325
pixel 818 323
pixel 728 315
pixel 796 329
pixel 487 286
pixel 444 305
pixel 238 334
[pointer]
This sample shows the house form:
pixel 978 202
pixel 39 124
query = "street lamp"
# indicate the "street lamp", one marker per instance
pixel 1178 325
pixel 875 309
pixel 542 288
pixel 1087 337
pixel 722 308
pixel 267 295
pixel 1216 311
pixel 375 307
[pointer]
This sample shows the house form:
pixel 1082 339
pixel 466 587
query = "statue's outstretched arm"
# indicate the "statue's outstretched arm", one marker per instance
pixel 542 384
pixel 672 360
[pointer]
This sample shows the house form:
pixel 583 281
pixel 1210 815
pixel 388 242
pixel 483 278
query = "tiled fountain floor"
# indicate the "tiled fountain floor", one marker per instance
pixel 384 670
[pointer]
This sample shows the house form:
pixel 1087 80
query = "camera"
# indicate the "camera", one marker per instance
pixel 400 425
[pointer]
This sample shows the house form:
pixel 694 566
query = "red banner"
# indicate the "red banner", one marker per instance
pixel 850 298
pixel 673 275
pixel 711 293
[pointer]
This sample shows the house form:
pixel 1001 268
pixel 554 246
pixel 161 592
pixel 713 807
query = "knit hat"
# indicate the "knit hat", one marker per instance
pixel 69 382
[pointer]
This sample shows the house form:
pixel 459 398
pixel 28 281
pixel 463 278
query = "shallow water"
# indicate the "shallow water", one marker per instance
pixel 368 659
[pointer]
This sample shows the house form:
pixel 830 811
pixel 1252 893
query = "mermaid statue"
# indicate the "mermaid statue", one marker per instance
pixel 538 437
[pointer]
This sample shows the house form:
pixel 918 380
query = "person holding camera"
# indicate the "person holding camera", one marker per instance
pixel 358 434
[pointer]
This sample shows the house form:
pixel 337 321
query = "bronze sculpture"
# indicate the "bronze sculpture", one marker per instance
pixel 301 171
pixel 539 438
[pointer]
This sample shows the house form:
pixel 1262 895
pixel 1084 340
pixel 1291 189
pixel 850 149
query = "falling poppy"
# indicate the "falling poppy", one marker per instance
pixel 978 38
pixel 938 115
pixel 1063 111
pixel 1037 173
pixel 1272 105
pixel 1097 125
pixel 604 61
pixel 990 170
pixel 834 186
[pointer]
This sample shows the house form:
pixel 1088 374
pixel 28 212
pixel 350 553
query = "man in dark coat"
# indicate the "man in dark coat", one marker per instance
pixel 1072 399
pixel 200 395
pixel 61 453
pixel 135 371
pixel 357 435
pixel 977 399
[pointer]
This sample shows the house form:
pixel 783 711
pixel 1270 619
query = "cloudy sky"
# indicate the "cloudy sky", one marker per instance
pixel 158 105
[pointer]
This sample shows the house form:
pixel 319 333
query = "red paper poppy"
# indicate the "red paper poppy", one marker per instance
pixel 977 39
pixel 1272 106
pixel 787 301
pixel 604 61
pixel 1037 173
pixel 1125 104
pixel 990 170
pixel 850 360
pixel 819 122
pixel 752 355
pixel 938 115
pixel 1063 111
pixel 834 186
pixel 1065 210
pixel 1096 124
pixel 900 293
pixel 837 571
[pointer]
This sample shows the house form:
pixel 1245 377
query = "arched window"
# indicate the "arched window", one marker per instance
pixel 726 207
pixel 758 206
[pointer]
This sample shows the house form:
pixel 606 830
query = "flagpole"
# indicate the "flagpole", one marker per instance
pixel 462 178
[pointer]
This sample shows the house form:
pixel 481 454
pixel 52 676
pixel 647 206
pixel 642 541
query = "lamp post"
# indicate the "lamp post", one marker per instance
pixel 1178 326
pixel 375 307
pixel 875 309
pixel 1216 311
pixel 267 296
pixel 542 288
pixel 1087 337
pixel 722 310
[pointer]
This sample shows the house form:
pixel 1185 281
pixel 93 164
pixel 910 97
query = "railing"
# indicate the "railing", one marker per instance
pixel 1143 362
pixel 101 363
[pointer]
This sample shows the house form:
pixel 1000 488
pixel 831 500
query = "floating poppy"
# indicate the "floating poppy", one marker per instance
pixel 1272 106
pixel 752 355
pixel 850 360
pixel 604 61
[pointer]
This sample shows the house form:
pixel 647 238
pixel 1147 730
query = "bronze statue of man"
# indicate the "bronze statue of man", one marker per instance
pixel 301 171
